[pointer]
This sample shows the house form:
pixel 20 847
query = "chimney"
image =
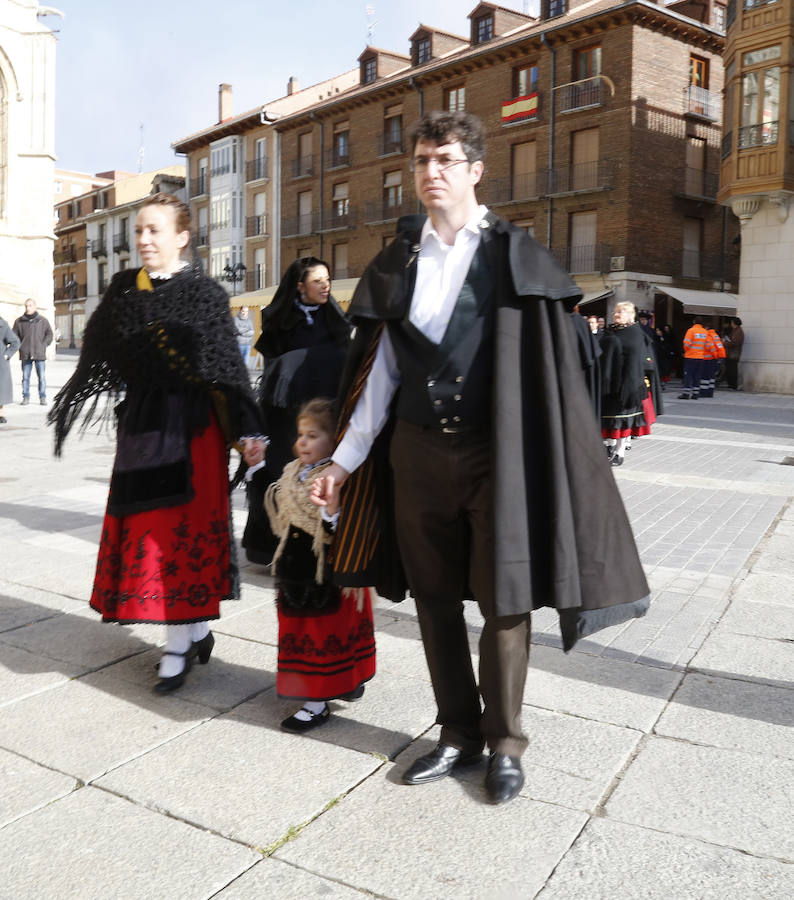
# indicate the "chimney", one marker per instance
pixel 292 85
pixel 224 102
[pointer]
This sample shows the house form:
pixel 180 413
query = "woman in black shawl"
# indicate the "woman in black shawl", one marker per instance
pixel 630 395
pixel 162 341
pixel 304 341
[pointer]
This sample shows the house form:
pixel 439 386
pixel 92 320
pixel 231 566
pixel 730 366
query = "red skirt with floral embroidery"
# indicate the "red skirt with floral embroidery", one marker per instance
pixel 323 655
pixel 173 564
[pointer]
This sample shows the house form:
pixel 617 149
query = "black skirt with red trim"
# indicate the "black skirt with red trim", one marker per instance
pixel 628 422
pixel 173 564
pixel 326 653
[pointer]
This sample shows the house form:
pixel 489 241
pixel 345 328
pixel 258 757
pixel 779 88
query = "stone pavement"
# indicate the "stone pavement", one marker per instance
pixel 661 761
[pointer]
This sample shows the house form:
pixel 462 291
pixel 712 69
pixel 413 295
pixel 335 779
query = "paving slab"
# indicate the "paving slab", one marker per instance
pixel 281 881
pixel 21 605
pixel 246 782
pixel 736 715
pixel 259 623
pixel 91 725
pixel 608 690
pixel 23 674
pixel 439 840
pixel 75 579
pixel 741 656
pixel 237 670
pixel 611 861
pixel 572 761
pixel 26 787
pixel 727 797
pixel 93 846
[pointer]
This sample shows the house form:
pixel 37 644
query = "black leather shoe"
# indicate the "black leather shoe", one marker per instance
pixel 438 763
pixel 616 460
pixel 299 726
pixel 357 694
pixel 203 648
pixel 504 778
pixel 165 685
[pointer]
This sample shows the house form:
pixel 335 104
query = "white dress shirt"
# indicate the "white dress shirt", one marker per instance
pixel 441 270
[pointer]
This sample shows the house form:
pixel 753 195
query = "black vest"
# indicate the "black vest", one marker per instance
pixel 448 385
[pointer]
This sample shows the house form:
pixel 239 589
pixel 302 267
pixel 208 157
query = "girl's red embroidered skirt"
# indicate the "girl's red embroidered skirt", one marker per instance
pixel 323 655
pixel 173 564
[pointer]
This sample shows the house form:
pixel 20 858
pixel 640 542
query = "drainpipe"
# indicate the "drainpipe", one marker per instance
pixel 313 117
pixel 415 86
pixel 550 207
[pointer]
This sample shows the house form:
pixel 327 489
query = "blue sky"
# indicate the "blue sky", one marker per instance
pixel 158 63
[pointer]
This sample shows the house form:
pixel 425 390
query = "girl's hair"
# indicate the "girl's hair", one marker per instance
pixel 181 211
pixel 322 411
pixel 307 263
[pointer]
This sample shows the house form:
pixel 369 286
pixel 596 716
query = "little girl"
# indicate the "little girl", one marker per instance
pixel 326 641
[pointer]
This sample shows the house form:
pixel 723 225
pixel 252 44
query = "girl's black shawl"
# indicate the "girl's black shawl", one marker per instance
pixel 177 339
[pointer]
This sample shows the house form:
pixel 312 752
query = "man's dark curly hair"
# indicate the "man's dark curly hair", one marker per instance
pixel 441 127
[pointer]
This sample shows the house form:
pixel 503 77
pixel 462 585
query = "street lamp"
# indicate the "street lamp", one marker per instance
pixel 233 274
pixel 71 294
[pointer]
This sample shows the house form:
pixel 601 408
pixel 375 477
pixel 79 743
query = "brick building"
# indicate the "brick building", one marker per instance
pixel 603 130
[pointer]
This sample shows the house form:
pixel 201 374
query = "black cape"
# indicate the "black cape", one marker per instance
pixel 562 537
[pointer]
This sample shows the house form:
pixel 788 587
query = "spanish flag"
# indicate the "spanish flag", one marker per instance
pixel 520 108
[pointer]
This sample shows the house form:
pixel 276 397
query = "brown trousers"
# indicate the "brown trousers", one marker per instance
pixel 444 513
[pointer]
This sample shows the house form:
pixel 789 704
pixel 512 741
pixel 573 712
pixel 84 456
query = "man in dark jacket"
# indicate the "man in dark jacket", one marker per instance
pixel 501 487
pixel 35 335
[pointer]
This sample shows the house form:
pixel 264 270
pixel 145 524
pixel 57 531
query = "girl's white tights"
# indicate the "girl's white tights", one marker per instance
pixel 178 639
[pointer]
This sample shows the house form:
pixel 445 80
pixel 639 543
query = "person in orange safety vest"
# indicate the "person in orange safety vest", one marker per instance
pixel 715 351
pixel 695 342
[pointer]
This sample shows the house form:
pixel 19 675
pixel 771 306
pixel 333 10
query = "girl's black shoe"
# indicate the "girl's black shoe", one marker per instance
pixel 165 685
pixel 299 726
pixel 203 648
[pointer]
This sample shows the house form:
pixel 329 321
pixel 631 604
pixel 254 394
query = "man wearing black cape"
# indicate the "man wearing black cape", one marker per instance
pixel 465 362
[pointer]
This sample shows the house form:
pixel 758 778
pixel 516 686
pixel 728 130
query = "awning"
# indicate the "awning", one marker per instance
pixel 593 287
pixel 707 303
pixel 341 288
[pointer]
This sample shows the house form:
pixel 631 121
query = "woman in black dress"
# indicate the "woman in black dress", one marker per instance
pixel 304 341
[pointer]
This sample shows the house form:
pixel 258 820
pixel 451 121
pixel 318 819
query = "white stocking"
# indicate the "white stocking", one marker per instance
pixel 177 640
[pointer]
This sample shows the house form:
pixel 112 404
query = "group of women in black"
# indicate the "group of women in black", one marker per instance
pixel 160 358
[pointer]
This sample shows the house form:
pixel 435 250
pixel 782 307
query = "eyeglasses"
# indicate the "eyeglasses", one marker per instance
pixel 422 163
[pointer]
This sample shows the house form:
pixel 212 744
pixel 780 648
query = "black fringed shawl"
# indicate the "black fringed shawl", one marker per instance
pixel 176 339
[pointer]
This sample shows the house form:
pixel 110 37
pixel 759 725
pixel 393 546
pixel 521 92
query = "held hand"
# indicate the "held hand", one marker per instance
pixel 325 489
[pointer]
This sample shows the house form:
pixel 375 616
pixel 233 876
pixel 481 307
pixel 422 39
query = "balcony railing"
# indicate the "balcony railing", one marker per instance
pixel 383 211
pixel 580 94
pixel 292 226
pixel 256 169
pixel 757 135
pixel 516 187
pixel 202 236
pixel 700 184
pixel 589 176
pixel 727 144
pixel 198 186
pixel 304 165
pixel 121 243
pixel 339 216
pixel 255 278
pixel 754 4
pixel 98 248
pixel 74 292
pixel 256 225
pixel 700 102
pixel 583 259
pixel 336 157
pixel 390 143
pixel 67 255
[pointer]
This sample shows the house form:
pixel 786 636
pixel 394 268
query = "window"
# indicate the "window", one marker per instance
pixel 260 158
pixel 340 155
pixel 220 211
pixel 527 225
pixel 695 166
pixel 699 72
pixel 718 16
pixel 201 187
pixel 392 193
pixel 522 180
pixel 220 257
pixel 393 129
pixel 340 261
pixel 587 62
pixel 525 81
pixel 582 243
pixel 102 277
pixel 584 159
pixel 483 29
pixel 422 48
pixel 304 212
pixel 556 8
pixel 339 207
pixel 203 231
pixel 260 270
pixel 455 99
pixel 760 107
pixel 369 70
pixel 693 230
pixel 304 161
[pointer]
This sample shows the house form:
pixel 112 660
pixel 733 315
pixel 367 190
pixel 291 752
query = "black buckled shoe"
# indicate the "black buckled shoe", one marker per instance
pixel 504 778
pixel 294 725
pixel 439 763
pixel 165 685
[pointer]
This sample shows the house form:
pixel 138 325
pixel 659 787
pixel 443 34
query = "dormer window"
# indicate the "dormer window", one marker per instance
pixel 422 50
pixel 369 70
pixel 483 29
